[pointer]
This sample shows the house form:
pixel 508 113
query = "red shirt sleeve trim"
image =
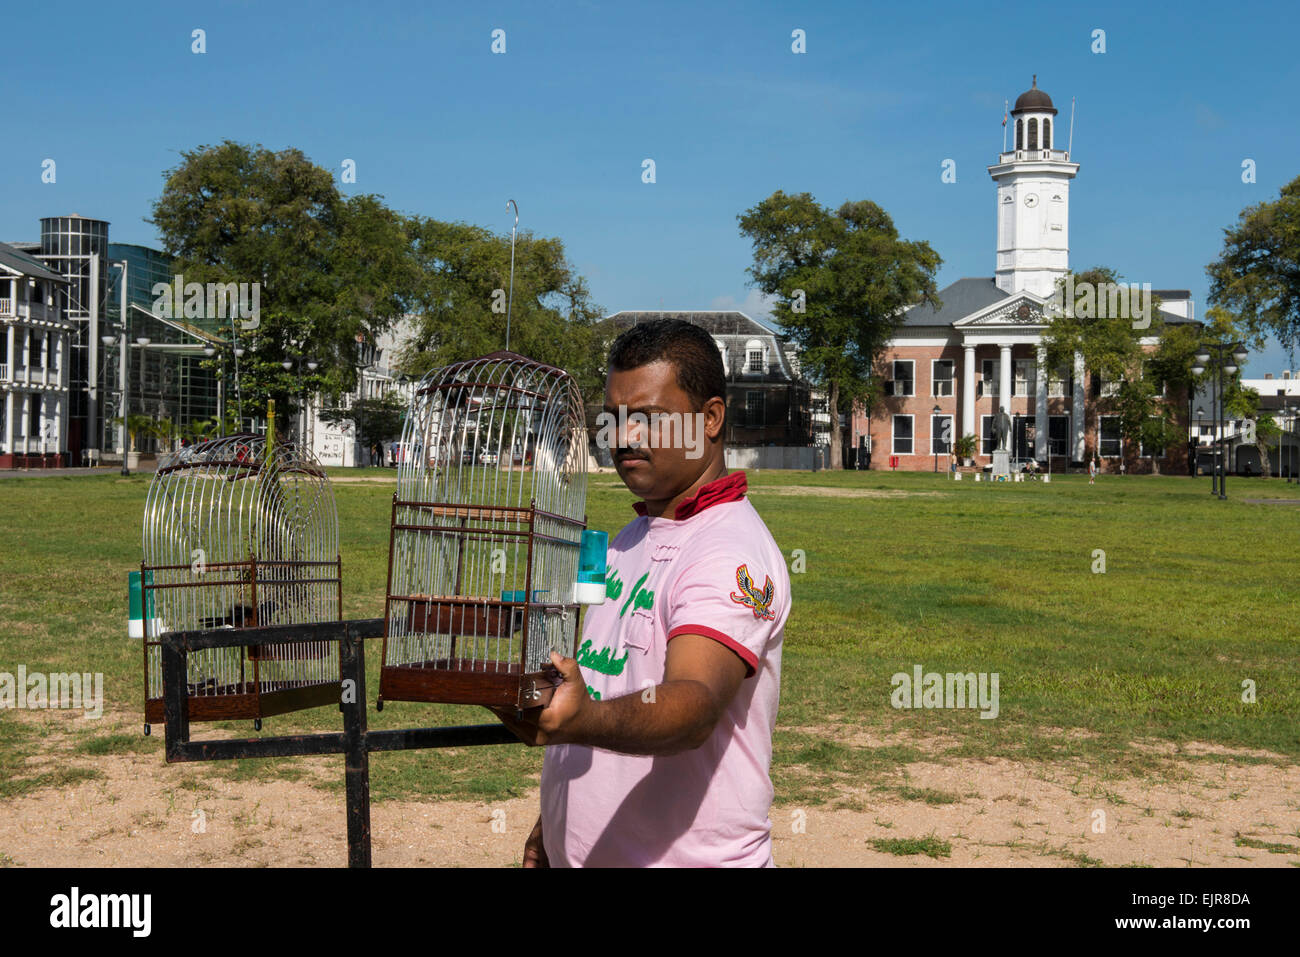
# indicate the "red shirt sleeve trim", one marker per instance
pixel 745 655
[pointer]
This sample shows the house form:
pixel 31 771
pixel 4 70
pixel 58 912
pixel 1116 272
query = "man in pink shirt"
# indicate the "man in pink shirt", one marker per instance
pixel 659 738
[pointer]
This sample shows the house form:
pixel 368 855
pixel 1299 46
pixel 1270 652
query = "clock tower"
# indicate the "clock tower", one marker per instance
pixel 1033 181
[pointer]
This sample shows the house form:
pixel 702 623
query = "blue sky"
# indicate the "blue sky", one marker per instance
pixel 562 121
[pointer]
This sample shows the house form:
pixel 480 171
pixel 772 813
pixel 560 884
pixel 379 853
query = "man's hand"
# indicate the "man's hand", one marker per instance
pixel 534 849
pixel 561 719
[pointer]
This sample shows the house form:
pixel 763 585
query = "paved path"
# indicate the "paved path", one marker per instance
pixel 146 468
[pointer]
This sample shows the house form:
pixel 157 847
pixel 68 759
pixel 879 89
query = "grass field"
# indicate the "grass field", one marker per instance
pixel 1198 596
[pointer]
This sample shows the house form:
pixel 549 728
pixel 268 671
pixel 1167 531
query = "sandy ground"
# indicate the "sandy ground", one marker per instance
pixel 143 812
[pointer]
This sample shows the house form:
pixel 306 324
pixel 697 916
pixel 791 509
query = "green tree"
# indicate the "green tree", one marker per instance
pixel 463 299
pixel 329 268
pixel 841 280
pixel 1257 275
pixel 1111 346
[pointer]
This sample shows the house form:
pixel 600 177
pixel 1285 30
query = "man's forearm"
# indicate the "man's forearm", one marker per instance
pixel 677 716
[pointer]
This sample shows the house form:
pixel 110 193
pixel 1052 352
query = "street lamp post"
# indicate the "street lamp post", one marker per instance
pixel 1221 353
pixel 365 359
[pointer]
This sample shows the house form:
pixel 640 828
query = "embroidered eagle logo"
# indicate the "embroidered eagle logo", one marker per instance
pixel 751 597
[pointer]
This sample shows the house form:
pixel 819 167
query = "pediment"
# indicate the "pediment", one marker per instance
pixel 1024 309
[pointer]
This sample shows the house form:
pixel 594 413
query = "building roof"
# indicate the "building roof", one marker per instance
pixel 730 327
pixel 26 265
pixel 960 299
pixel 1033 100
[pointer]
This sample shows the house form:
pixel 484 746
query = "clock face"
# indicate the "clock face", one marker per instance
pixel 1031 200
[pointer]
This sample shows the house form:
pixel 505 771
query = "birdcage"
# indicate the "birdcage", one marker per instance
pixel 487 523
pixel 241 535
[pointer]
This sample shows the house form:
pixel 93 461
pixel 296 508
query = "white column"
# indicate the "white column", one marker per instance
pixel 1077 410
pixel 968 393
pixel 27 356
pixel 49 357
pixel 1040 404
pixel 27 422
pixel 13 357
pixel 9 414
pixel 1004 379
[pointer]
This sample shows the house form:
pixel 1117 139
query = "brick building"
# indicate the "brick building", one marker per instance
pixel 982 351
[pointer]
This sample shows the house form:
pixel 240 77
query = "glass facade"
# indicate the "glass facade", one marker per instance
pixel 165 383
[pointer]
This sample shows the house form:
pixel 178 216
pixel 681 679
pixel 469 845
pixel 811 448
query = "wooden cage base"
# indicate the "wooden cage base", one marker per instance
pixel 492 684
pixel 245 701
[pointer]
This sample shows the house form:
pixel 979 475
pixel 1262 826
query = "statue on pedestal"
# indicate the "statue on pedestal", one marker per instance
pixel 1002 431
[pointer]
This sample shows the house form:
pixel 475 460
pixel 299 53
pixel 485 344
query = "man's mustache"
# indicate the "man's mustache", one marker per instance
pixel 626 455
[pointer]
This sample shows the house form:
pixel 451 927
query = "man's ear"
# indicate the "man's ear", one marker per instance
pixel 715 411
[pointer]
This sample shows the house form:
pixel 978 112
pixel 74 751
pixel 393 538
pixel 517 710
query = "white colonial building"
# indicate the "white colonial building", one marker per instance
pixel 34 349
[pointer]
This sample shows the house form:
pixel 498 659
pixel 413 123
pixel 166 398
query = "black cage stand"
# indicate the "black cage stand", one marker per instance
pixel 355 743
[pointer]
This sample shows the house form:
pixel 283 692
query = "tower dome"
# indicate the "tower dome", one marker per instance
pixel 1034 100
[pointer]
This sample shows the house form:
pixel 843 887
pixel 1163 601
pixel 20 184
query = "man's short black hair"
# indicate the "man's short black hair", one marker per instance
pixel 688 347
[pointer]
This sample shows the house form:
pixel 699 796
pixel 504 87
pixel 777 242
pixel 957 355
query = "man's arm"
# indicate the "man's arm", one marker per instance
pixel 701 676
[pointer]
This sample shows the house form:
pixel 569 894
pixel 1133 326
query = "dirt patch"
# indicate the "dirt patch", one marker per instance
pixel 142 812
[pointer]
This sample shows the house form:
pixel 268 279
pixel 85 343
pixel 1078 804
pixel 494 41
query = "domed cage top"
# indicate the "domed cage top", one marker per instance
pixel 240 535
pixel 486 525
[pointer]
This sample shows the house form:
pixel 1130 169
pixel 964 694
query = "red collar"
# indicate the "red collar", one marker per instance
pixel 730 488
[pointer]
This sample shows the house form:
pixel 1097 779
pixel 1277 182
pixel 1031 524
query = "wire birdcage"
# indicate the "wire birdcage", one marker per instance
pixel 239 536
pixel 486 526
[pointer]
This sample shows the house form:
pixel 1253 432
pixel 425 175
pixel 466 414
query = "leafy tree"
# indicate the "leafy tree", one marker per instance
pixel 1258 273
pixel 1112 348
pixel 329 268
pixel 463 299
pixel 856 276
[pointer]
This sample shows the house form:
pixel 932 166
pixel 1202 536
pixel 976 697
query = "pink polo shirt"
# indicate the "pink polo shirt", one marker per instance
pixel 715 571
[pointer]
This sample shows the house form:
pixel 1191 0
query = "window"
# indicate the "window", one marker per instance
pixel 903 382
pixel 1058 434
pixel 754 410
pixel 1020 134
pixel 941 377
pixel 1108 387
pixel 755 360
pixel 902 435
pixel 755 354
pixel 940 434
pixel 1047 134
pixel 1033 134
pixel 1023 382
pixel 990 377
pixel 1059 383
pixel 1108 435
